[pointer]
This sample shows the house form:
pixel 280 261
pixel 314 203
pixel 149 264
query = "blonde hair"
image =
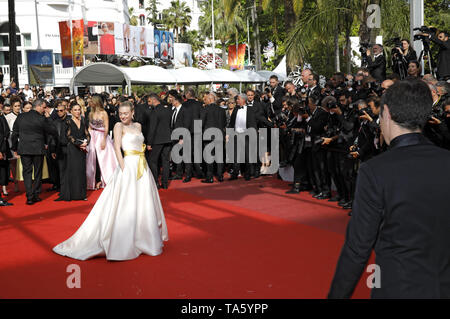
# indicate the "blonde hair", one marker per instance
pixel 127 104
pixel 96 105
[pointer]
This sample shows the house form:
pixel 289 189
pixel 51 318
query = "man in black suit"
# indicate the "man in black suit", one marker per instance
pixel 377 66
pixel 401 208
pixel 443 58
pixel 195 108
pixel 214 117
pixel 315 154
pixel 28 141
pixel 158 139
pixel 275 94
pixel 244 122
pixel 181 118
pixel 58 144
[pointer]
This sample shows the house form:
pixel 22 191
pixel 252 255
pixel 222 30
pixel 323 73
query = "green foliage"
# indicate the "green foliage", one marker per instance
pixel 153 12
pixel 177 17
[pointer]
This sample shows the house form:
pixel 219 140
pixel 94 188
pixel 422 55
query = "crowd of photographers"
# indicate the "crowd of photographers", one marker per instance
pixel 327 132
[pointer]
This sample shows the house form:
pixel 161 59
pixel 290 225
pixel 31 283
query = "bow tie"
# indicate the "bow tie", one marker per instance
pixel 239 107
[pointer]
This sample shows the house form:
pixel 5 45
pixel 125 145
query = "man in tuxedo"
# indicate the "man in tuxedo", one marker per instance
pixel 181 118
pixel 158 139
pixel 313 89
pixel 28 141
pixel 400 208
pixel 195 108
pixel 214 117
pixel 276 94
pixel 243 120
pixel 315 154
pixel 262 121
pixel 377 66
pixel 58 144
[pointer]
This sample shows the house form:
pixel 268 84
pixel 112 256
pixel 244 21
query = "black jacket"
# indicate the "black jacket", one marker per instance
pixel 159 130
pixel 443 59
pixel 59 141
pixel 277 94
pixel 142 115
pixel 194 107
pixel 400 211
pixel 4 134
pixel 252 121
pixel 377 68
pixel 29 133
pixel 183 119
pixel 214 116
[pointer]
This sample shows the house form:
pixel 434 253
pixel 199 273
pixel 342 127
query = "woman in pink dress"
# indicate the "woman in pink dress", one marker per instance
pixel 101 160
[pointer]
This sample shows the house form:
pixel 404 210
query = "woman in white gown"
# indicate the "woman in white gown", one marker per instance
pixel 127 218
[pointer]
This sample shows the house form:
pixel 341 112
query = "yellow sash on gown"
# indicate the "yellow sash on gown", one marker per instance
pixel 141 163
pixel 19 170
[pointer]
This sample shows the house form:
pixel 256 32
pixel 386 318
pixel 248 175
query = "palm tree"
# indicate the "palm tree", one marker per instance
pixel 177 17
pixel 133 18
pixel 152 10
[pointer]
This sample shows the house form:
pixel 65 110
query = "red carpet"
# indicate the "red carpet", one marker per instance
pixel 230 240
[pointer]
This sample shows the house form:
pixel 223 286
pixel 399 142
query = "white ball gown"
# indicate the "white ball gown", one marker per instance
pixel 127 218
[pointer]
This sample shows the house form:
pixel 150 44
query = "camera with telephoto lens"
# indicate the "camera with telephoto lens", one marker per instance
pixel 438 112
pixel 368 110
pixel 332 105
pixel 423 29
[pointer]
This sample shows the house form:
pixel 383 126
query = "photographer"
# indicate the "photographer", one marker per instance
pixel 443 58
pixel 402 54
pixel 377 66
pixel 436 129
pixel 414 70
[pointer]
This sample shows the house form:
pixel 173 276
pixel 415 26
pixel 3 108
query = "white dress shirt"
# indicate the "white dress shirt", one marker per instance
pixel 241 120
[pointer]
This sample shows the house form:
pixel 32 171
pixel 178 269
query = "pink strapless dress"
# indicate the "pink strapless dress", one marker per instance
pixel 106 158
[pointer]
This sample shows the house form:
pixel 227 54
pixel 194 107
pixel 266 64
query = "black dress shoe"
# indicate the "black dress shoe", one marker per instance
pixel 187 180
pixel 208 180
pixel 220 178
pixel 5 203
pixel 324 196
pixel 37 199
pixel 164 186
pixel 347 205
pixel 293 190
pixel 175 177
pixel 342 202
pixel 53 188
pixel 200 176
pixel 233 177
pixel 247 178
pixel 316 195
pixel 30 202
pixel 59 199
pixel 334 199
pixel 350 213
pixel 257 175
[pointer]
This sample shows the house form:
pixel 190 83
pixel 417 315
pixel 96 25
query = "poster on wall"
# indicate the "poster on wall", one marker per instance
pixel 90 38
pixel 40 67
pixel 142 42
pixel 119 41
pixel 183 55
pixel 134 40
pixel 106 39
pixel 171 46
pixel 149 42
pixel 164 45
pixel 157 42
pixel 236 59
pixel 66 44
pixel 77 42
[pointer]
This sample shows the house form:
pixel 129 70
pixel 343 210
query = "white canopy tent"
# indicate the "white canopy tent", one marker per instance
pixel 267 74
pixel 190 75
pixel 111 75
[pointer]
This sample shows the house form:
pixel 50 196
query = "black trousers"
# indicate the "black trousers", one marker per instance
pixel 53 170
pixel 210 167
pixel 30 162
pixel 300 169
pixel 160 153
pixel 249 168
pixel 62 165
pixel 335 166
pixel 317 171
pixel 348 171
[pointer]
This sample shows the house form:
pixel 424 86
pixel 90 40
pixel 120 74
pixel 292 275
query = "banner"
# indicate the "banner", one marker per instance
pixel 119 41
pixel 40 67
pixel 134 40
pixel 171 46
pixel 157 41
pixel 236 61
pixel 90 39
pixel 149 42
pixel 77 42
pixel 183 55
pixel 164 45
pixel 106 39
pixel 66 47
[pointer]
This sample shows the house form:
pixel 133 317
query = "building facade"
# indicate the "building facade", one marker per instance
pixel 49 13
